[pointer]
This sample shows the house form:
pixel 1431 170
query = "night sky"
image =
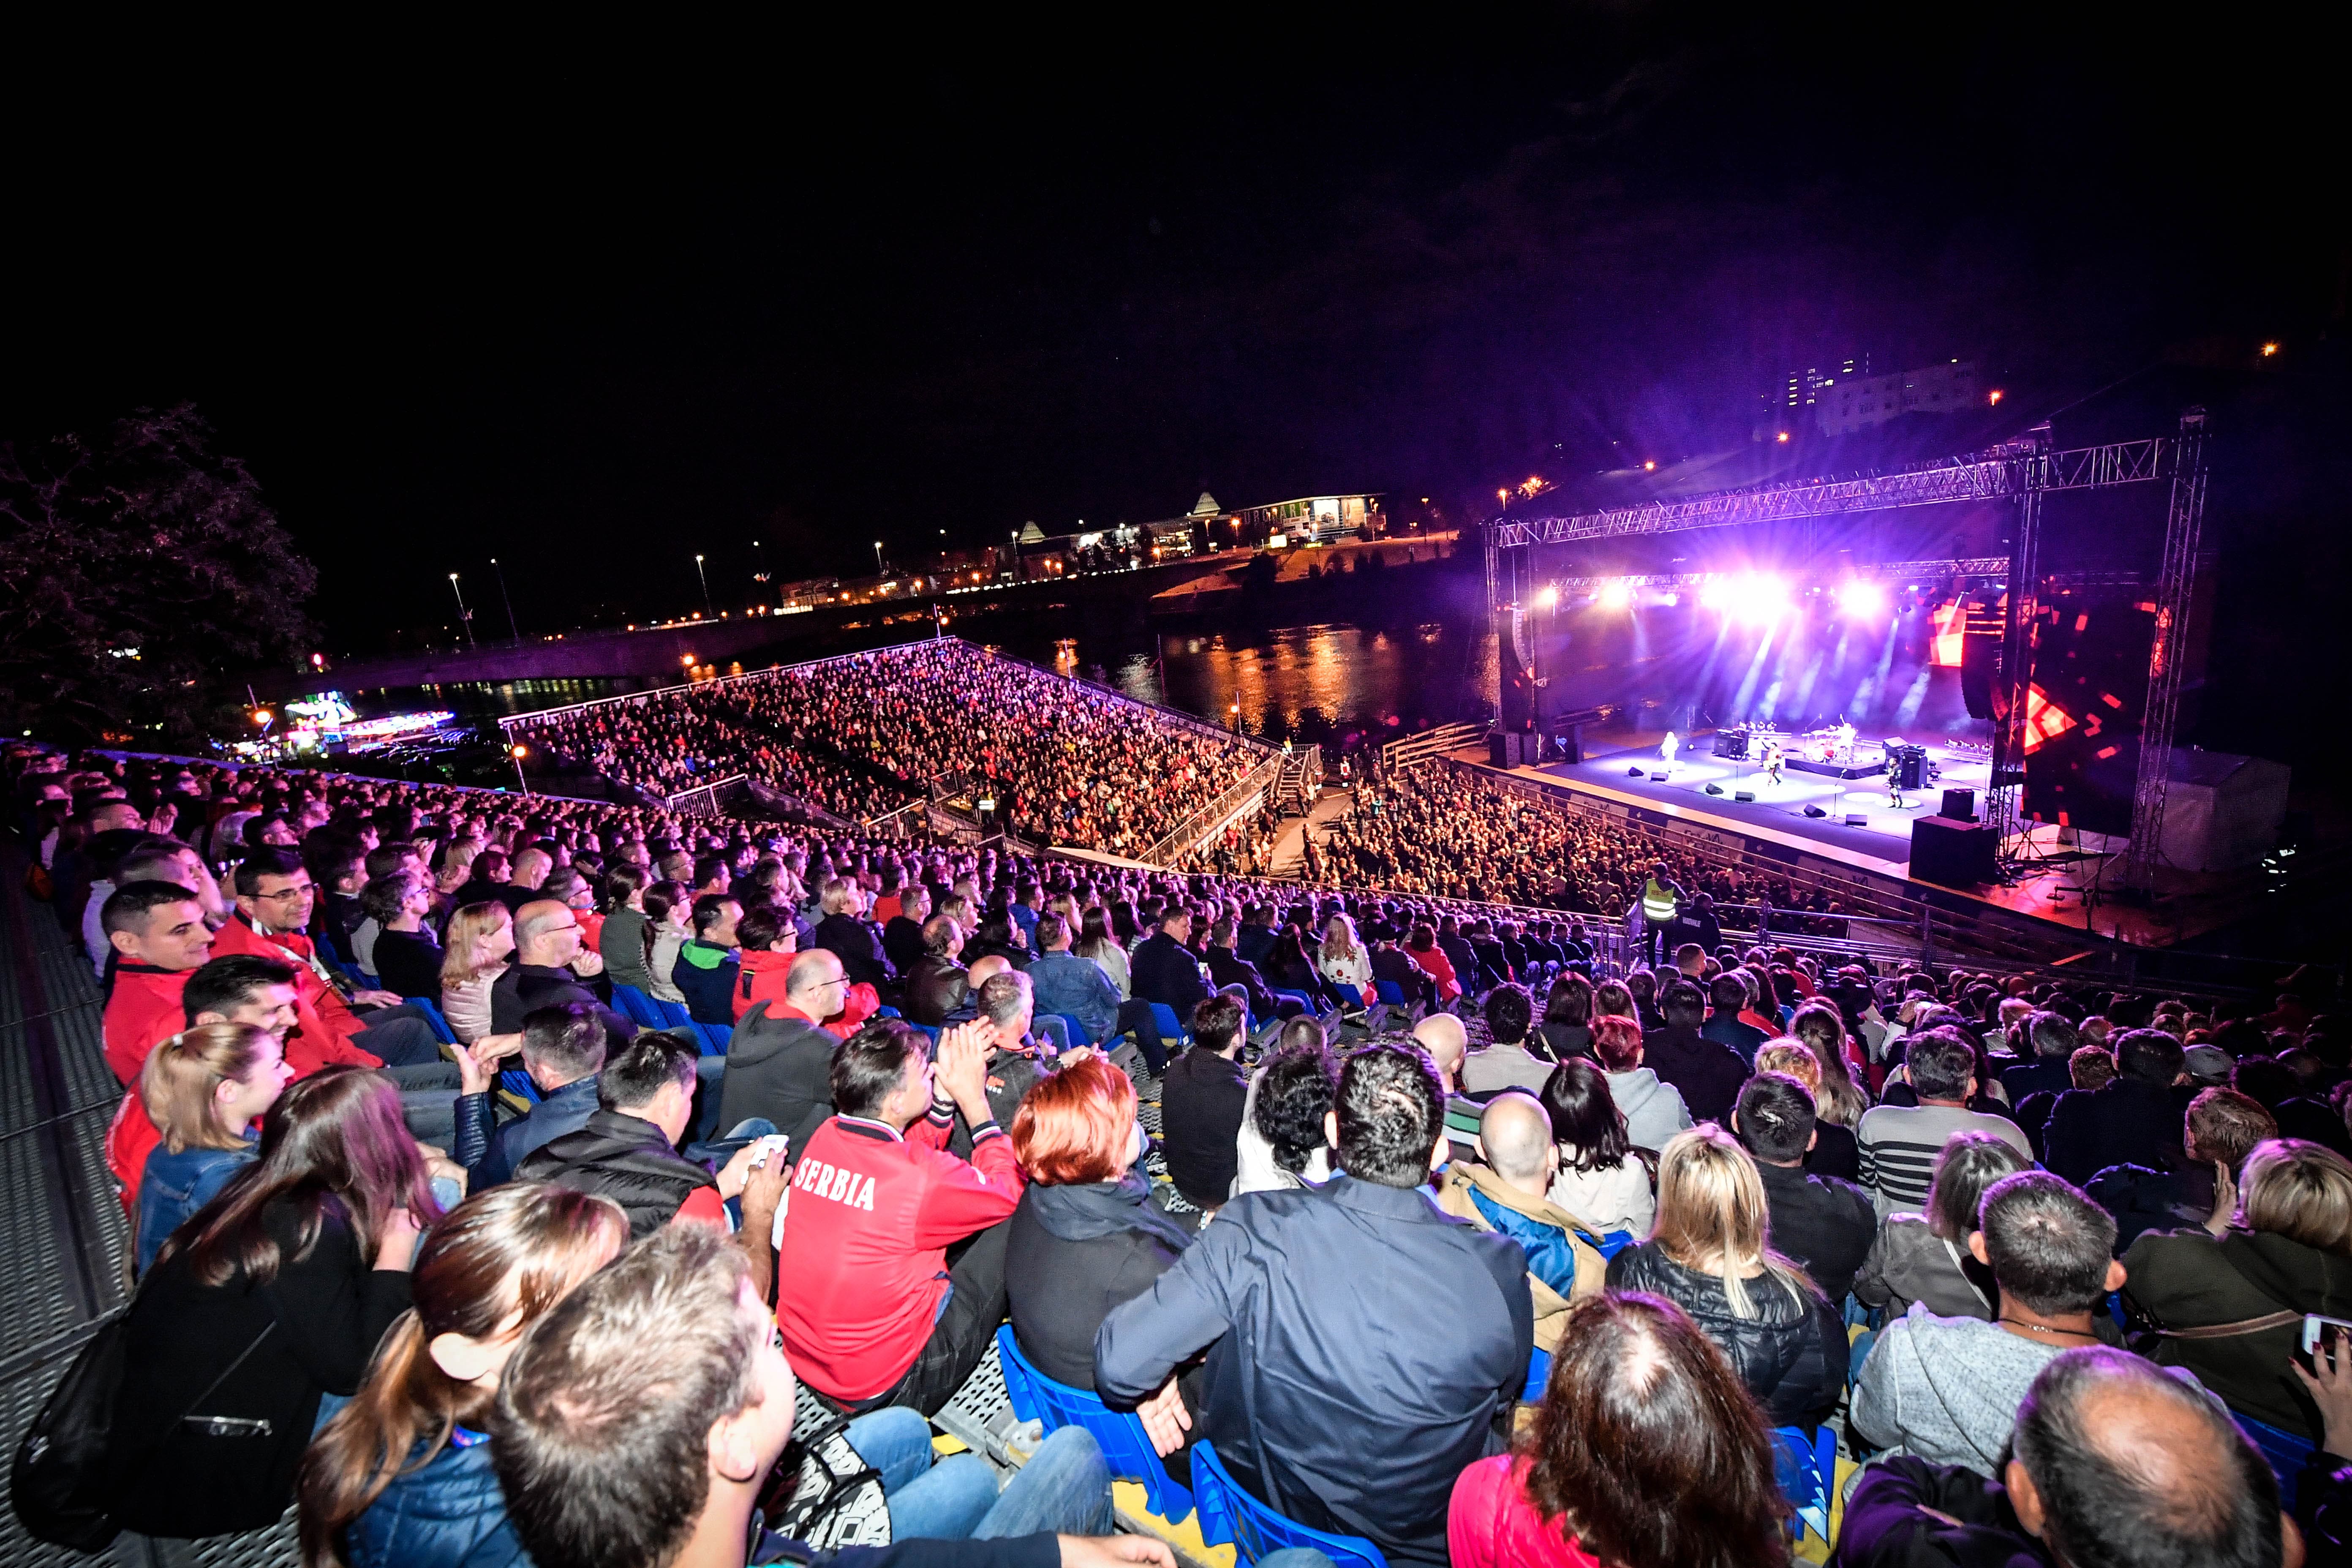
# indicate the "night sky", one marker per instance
pixel 594 324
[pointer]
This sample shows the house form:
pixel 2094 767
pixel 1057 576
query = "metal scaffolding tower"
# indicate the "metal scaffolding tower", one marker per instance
pixel 2176 588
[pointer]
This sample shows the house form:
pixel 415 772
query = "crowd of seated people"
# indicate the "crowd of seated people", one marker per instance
pixel 470 1325
pixel 860 735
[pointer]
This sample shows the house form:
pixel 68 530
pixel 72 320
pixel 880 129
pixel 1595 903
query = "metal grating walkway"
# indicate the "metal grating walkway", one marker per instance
pixel 62 1231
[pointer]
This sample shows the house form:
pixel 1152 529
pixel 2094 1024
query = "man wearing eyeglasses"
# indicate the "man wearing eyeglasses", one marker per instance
pixel 780 1057
pixel 549 971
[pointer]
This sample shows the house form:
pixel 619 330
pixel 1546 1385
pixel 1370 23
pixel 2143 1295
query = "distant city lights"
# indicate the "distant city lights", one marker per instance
pixel 2269 350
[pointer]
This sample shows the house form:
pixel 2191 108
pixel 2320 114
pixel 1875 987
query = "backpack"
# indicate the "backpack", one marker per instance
pixel 823 1494
pixel 59 1483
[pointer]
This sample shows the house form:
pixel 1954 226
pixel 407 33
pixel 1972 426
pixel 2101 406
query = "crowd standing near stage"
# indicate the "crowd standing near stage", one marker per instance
pixel 743 1108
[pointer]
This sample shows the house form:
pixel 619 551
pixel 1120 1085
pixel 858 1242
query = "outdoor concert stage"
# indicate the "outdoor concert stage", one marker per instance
pixel 2049 888
pixel 1884 836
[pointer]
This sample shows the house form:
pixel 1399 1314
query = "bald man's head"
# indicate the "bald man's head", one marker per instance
pixel 2118 1462
pixel 985 969
pixel 1441 1036
pixel 810 985
pixel 1515 1135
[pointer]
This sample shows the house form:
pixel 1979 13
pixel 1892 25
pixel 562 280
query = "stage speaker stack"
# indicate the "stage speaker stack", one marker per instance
pixel 1498 749
pixel 1955 853
pixel 1747 794
pixel 1961 805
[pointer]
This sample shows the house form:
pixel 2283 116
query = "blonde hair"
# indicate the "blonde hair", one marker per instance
pixel 1337 927
pixel 468 930
pixel 2301 1190
pixel 180 1078
pixel 1795 1057
pixel 1713 1216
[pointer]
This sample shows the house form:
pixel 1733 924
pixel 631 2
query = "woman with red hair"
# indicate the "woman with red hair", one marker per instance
pixel 1087 1236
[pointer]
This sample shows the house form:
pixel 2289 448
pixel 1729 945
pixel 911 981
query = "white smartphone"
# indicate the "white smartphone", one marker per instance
pixel 2313 1326
pixel 773 1143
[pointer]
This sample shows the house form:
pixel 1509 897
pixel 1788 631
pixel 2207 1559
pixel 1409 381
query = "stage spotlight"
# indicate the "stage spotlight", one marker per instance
pixel 1761 598
pixel 1716 594
pixel 1547 598
pixel 1859 598
pixel 1616 595
pixel 1670 600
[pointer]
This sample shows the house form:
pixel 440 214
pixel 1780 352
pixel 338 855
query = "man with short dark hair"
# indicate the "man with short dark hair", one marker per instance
pixel 1227 967
pixel 2052 1041
pixel 1947 1389
pixel 1077 987
pixel 627 1149
pixel 638 1422
pixel 1707 1073
pixel 2136 1117
pixel 1163 969
pixel 1312 1305
pixel 707 964
pixel 902 933
pixel 1823 1223
pixel 1506 1062
pixel 1728 994
pixel 938 989
pixel 160 938
pixel 1202 1098
pixel 1898 1144
pixel 876 1316
pixel 563 1050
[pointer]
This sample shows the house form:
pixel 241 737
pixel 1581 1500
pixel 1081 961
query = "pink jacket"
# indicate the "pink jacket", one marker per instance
pixel 1491 1523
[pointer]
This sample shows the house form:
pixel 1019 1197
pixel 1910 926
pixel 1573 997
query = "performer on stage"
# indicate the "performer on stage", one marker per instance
pixel 1772 761
pixel 1668 747
pixel 1844 740
pixel 1894 782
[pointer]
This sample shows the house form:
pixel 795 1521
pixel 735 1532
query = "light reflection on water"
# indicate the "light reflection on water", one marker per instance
pixel 1344 674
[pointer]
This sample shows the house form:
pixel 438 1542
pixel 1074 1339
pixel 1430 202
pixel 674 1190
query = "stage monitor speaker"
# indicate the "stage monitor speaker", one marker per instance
pixel 1714 788
pixel 1961 805
pixel 1746 795
pixel 1659 776
pixel 1570 742
pixel 1498 749
pixel 1633 773
pixel 1953 853
pixel 1815 811
pixel 1857 819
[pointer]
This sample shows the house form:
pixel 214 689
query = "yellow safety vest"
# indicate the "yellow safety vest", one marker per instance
pixel 1657 903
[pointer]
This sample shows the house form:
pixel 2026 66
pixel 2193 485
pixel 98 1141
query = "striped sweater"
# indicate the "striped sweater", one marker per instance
pixel 1899 1144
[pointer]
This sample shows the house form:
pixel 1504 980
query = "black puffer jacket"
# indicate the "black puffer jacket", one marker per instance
pixel 1791 1354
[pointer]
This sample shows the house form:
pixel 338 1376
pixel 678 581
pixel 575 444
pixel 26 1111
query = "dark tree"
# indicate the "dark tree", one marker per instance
pixel 138 573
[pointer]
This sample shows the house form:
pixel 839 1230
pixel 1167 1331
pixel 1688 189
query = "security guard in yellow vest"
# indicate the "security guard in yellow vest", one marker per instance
pixel 1661 902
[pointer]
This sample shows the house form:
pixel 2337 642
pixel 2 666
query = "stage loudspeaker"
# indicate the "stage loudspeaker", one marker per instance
pixel 1980 671
pixel 1570 742
pixel 1633 773
pixel 1498 750
pixel 1857 819
pixel 1961 805
pixel 1747 794
pixel 1811 810
pixel 1658 777
pixel 1954 854
pixel 1714 789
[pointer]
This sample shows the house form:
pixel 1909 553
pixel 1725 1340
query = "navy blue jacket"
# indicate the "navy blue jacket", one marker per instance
pixel 2126 1122
pixel 1164 971
pixel 492 1153
pixel 1300 1376
pixel 450 1514
pixel 705 974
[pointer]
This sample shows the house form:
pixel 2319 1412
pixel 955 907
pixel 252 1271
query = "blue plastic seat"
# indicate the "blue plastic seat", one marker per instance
pixel 1231 1516
pixel 1078 1035
pixel 636 1007
pixel 2286 1453
pixel 713 1038
pixel 930 1029
pixel 433 1016
pixel 1126 1446
pixel 1172 1027
pixel 1806 1467
pixel 1538 1374
pixel 1389 991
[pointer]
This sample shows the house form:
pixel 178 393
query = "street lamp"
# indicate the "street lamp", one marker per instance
pixel 464 615
pixel 519 751
pixel 698 571
pixel 878 556
pixel 508 602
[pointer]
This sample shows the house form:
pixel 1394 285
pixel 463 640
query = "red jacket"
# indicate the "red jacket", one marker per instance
pixel 144 1012
pixel 325 1022
pixel 872 1215
pixel 761 978
pixel 1440 969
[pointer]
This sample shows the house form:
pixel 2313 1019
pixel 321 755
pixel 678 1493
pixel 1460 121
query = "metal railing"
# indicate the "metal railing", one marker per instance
pixel 702 800
pixel 1189 833
pixel 1429 743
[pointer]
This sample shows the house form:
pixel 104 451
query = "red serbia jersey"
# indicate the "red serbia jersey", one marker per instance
pixel 863 1268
